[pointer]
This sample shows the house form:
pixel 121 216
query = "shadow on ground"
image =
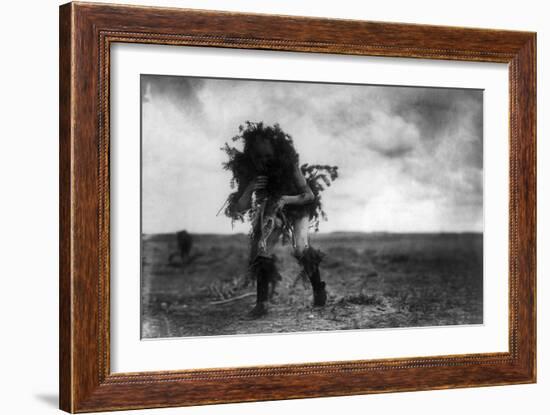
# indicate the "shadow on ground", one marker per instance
pixel 373 281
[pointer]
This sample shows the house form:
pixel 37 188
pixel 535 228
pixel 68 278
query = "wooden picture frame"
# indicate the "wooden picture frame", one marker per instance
pixel 86 33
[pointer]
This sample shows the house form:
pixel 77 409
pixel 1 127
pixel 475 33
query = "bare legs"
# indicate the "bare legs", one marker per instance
pixel 262 264
pixel 309 258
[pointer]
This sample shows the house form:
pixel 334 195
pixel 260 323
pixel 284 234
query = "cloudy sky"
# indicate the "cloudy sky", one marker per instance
pixel 410 158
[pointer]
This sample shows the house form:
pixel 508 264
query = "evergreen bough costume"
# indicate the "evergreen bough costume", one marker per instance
pixel 271 219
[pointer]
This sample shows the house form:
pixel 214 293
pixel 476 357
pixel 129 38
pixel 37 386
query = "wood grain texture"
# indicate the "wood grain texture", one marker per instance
pixel 65 246
pixel 86 33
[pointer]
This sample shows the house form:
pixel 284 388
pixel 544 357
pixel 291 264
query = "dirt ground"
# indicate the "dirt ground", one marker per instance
pixel 373 281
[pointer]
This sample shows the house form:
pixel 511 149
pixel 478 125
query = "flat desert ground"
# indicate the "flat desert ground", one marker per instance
pixel 374 280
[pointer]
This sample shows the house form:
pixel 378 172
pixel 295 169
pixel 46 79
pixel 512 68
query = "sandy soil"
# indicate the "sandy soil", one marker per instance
pixel 373 281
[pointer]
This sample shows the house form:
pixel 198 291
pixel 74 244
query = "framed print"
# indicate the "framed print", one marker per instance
pixel 258 207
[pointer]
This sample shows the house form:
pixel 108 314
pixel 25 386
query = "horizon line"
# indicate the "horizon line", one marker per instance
pixel 327 233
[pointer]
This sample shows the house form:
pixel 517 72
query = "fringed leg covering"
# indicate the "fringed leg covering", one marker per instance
pixel 266 274
pixel 310 260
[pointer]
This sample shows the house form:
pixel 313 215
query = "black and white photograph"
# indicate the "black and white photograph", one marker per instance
pixel 274 206
pixel 279 206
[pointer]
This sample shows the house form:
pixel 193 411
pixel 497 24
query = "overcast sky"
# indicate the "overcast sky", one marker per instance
pixel 410 159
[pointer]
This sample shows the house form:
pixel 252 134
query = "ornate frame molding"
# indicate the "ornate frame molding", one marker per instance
pixel 86 34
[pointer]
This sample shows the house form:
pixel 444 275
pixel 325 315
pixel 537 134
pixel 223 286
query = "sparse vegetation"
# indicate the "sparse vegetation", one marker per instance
pixel 373 281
